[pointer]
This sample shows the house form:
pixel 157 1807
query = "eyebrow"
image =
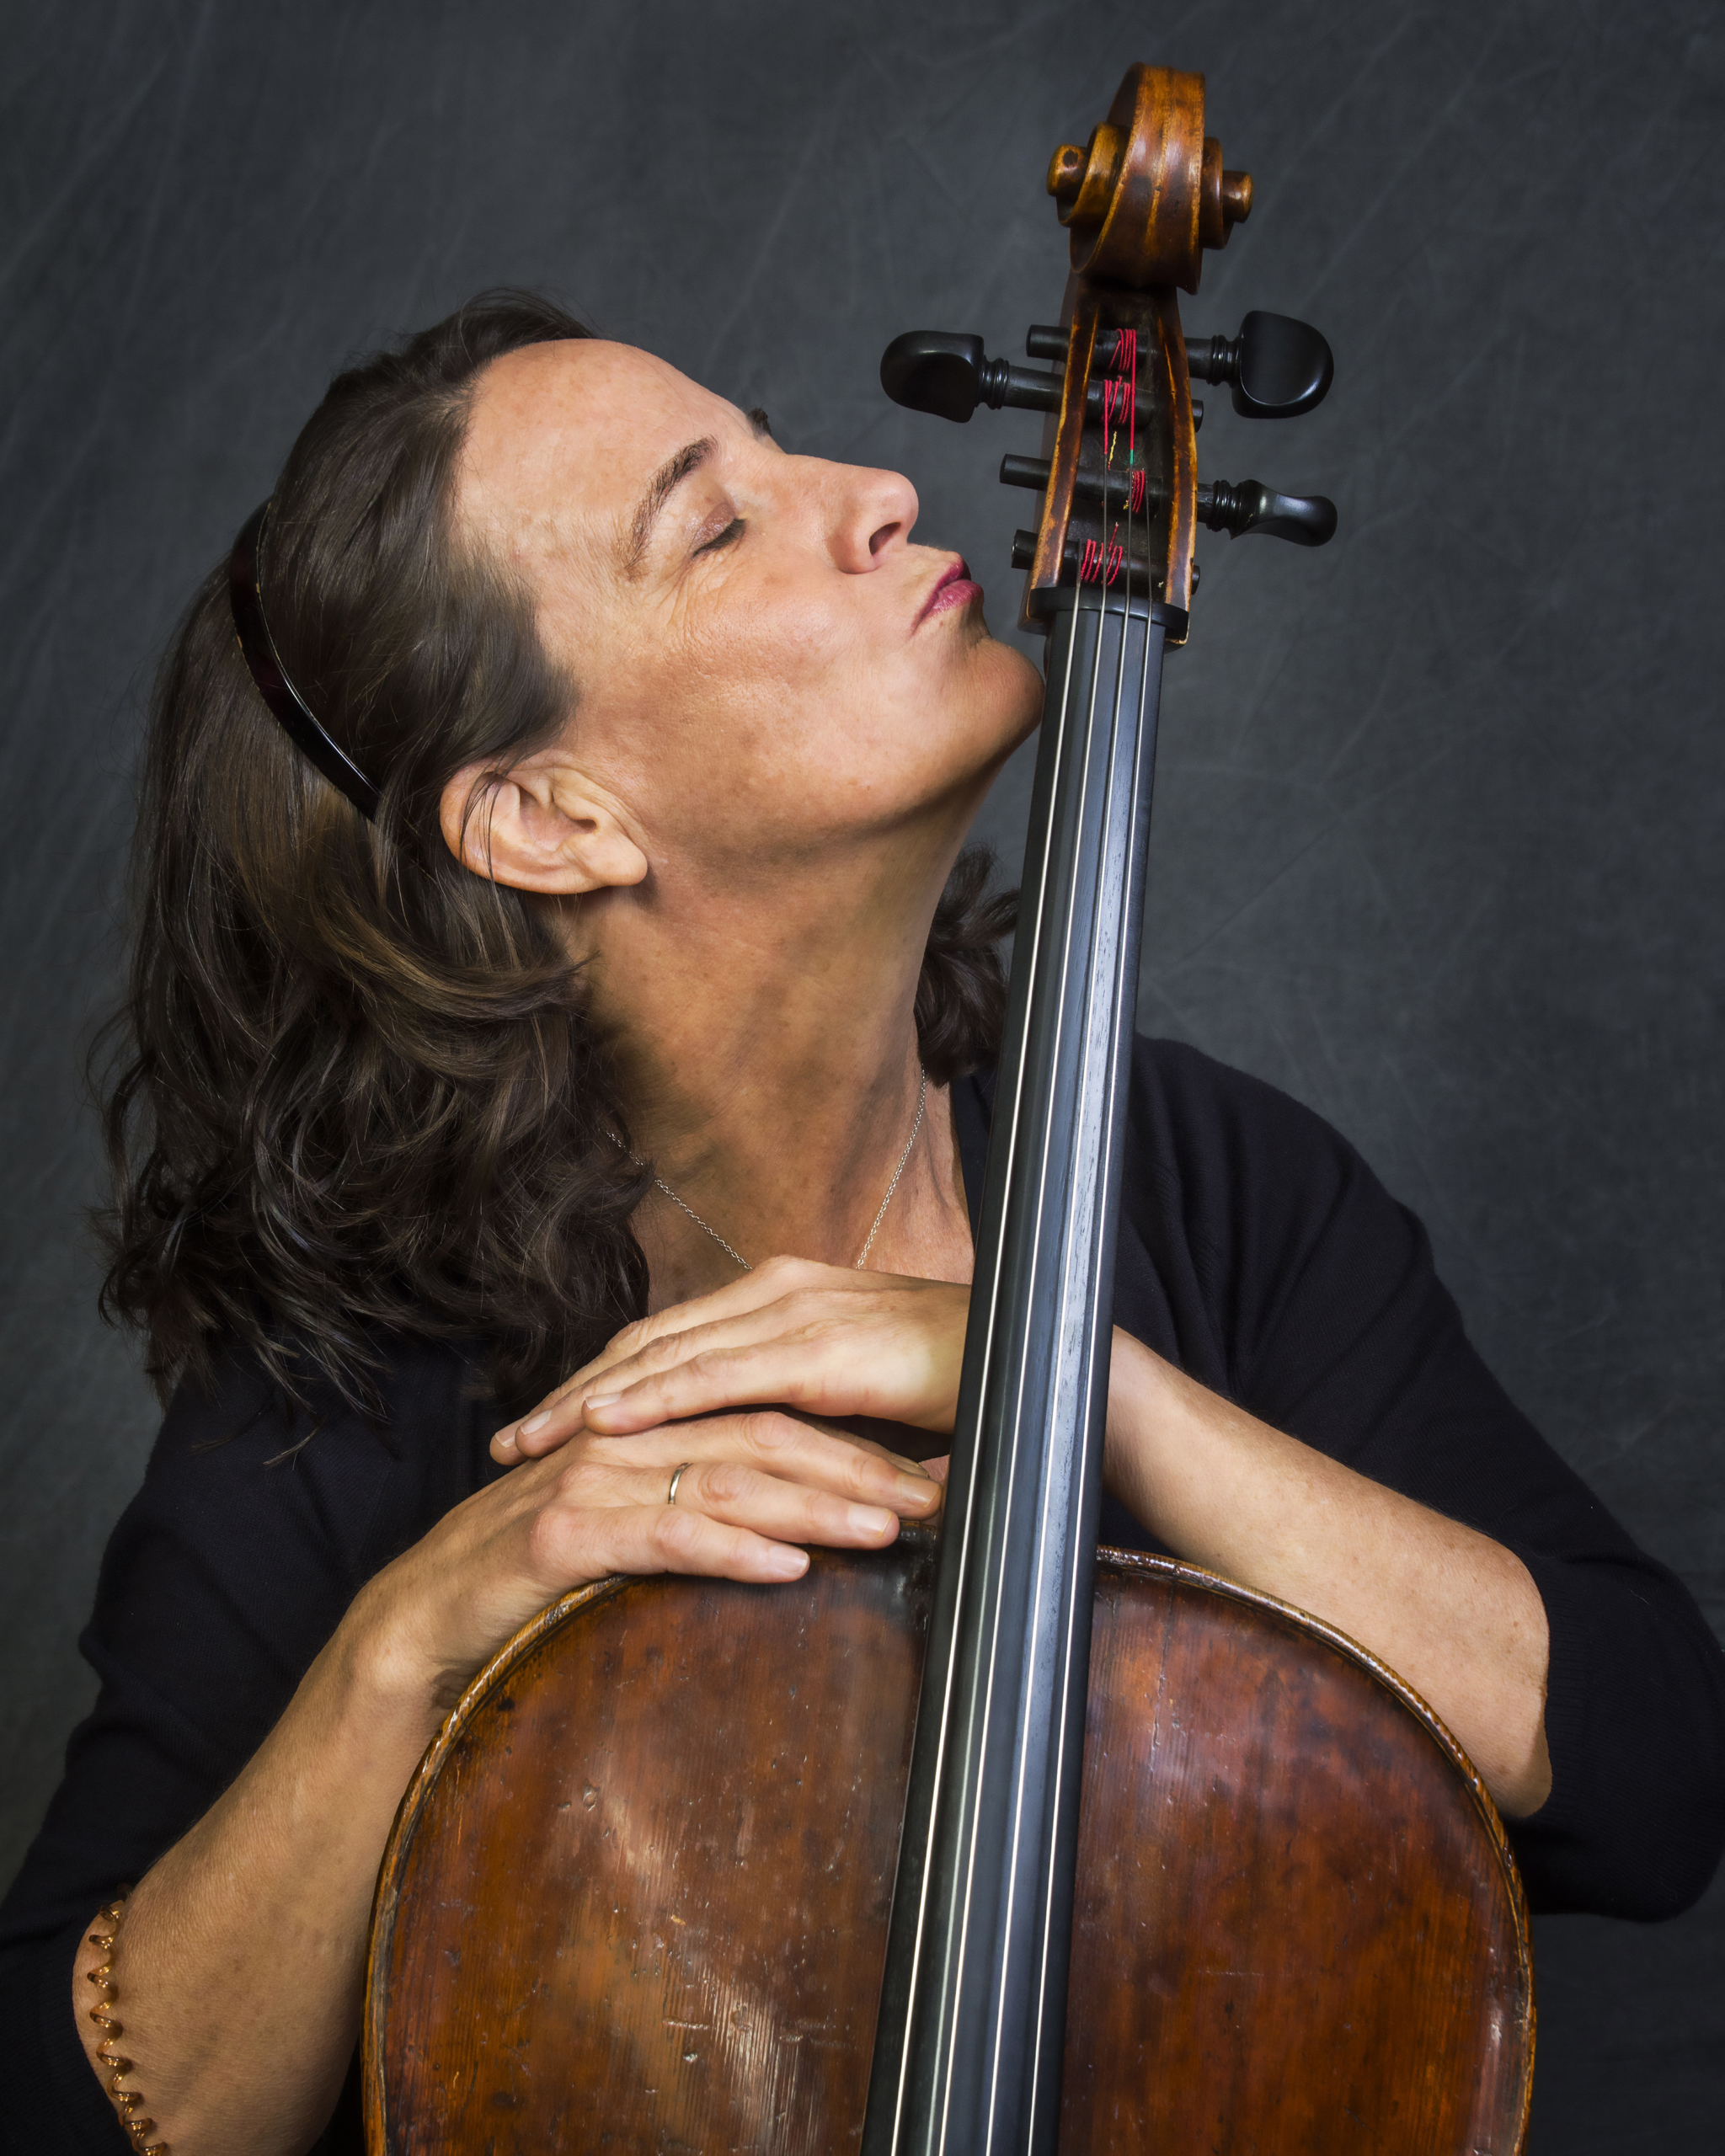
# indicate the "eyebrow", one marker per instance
pixel 665 483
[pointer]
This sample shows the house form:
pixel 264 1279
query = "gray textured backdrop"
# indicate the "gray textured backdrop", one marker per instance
pixel 1438 837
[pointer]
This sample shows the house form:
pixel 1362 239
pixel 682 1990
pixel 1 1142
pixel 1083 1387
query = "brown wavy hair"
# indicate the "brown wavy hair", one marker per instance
pixel 353 1090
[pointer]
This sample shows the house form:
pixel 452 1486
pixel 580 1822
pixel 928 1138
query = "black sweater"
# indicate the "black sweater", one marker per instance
pixel 1257 1250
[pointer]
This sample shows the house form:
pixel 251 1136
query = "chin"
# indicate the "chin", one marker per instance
pixel 998 705
pixel 1017 689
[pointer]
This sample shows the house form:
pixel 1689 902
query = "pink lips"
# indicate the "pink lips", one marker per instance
pixel 953 589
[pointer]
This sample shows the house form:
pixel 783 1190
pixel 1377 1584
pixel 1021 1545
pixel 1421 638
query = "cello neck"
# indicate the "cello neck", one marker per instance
pixel 972 2011
pixel 970 2038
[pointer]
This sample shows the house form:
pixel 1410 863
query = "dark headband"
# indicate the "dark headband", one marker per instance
pixel 258 648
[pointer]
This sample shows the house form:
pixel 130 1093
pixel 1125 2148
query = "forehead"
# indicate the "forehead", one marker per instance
pixel 563 437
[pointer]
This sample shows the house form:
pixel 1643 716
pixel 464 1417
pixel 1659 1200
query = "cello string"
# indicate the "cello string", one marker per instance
pixel 1115 560
pixel 1104 560
pixel 966 1524
pixel 988 1674
pixel 1103 563
pixel 1015 1453
pixel 1126 362
pixel 1014 1436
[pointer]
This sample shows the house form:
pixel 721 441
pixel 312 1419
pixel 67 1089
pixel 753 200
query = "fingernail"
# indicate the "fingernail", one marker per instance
pixel 600 1400
pixel 535 1421
pixel 869 1519
pixel 787 1564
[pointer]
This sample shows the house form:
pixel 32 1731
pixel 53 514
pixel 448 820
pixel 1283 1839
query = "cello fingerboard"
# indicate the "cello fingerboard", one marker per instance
pixel 968 2056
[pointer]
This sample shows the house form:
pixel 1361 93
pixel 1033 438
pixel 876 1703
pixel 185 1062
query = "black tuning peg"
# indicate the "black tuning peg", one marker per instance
pixel 1278 367
pixel 1135 573
pixel 1031 472
pixel 936 370
pixel 1308 520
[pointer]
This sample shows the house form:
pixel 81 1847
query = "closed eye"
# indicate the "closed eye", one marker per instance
pixel 732 532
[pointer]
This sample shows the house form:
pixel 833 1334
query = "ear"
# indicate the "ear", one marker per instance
pixel 540 827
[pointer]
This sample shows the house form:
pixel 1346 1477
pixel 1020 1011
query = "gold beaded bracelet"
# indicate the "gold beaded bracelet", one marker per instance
pixel 127 2101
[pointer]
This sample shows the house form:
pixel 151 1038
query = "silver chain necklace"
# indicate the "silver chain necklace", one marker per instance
pixel 737 1258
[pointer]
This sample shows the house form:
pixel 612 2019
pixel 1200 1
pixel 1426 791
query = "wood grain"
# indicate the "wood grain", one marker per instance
pixel 636 1899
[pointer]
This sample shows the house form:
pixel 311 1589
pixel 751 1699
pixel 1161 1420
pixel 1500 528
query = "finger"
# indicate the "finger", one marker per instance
pixel 789 1447
pixel 893 1349
pixel 903 1367
pixel 782 1297
pixel 749 1497
pixel 558 1415
pixel 574 1545
pixel 845 1463
pixel 556 1421
pixel 607 1514
pixel 894 1358
pixel 765 1283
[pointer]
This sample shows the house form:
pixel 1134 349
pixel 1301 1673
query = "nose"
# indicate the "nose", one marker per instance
pixel 872 515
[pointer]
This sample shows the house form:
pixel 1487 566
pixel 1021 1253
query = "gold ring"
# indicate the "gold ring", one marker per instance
pixel 671 1495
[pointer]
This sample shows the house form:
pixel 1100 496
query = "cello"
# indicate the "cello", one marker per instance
pixel 991 1841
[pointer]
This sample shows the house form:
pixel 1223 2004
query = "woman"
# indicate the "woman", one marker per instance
pixel 675 738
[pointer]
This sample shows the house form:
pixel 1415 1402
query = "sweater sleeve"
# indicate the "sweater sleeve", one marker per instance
pixel 252 1533
pixel 1336 1330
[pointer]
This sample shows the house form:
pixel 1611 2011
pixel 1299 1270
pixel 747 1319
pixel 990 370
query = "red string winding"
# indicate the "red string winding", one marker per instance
pixel 1126 367
pixel 1119 400
pixel 1102 562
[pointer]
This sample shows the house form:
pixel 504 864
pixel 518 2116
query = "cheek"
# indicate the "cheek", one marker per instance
pixel 777 673
pixel 700 728
pixel 785 707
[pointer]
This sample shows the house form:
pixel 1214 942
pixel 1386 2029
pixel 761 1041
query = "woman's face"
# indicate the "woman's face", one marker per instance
pixel 766 664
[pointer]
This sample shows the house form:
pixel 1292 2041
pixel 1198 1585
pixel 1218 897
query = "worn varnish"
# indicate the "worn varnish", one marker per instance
pixel 1299 1928
pixel 686 1903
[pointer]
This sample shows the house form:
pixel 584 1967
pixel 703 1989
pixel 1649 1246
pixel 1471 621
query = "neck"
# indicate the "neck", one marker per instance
pixel 767 1040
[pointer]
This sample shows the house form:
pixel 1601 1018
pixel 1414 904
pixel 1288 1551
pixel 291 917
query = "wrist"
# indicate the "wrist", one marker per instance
pixel 378 1668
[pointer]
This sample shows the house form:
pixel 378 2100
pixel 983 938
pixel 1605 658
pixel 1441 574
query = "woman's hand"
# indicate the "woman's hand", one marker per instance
pixel 825 1339
pixel 702 1386
pixel 755 1488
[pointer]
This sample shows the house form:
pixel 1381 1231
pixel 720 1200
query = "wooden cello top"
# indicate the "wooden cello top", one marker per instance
pixel 636 1897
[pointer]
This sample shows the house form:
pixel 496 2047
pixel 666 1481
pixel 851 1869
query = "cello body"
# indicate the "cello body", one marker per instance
pixel 637 1898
